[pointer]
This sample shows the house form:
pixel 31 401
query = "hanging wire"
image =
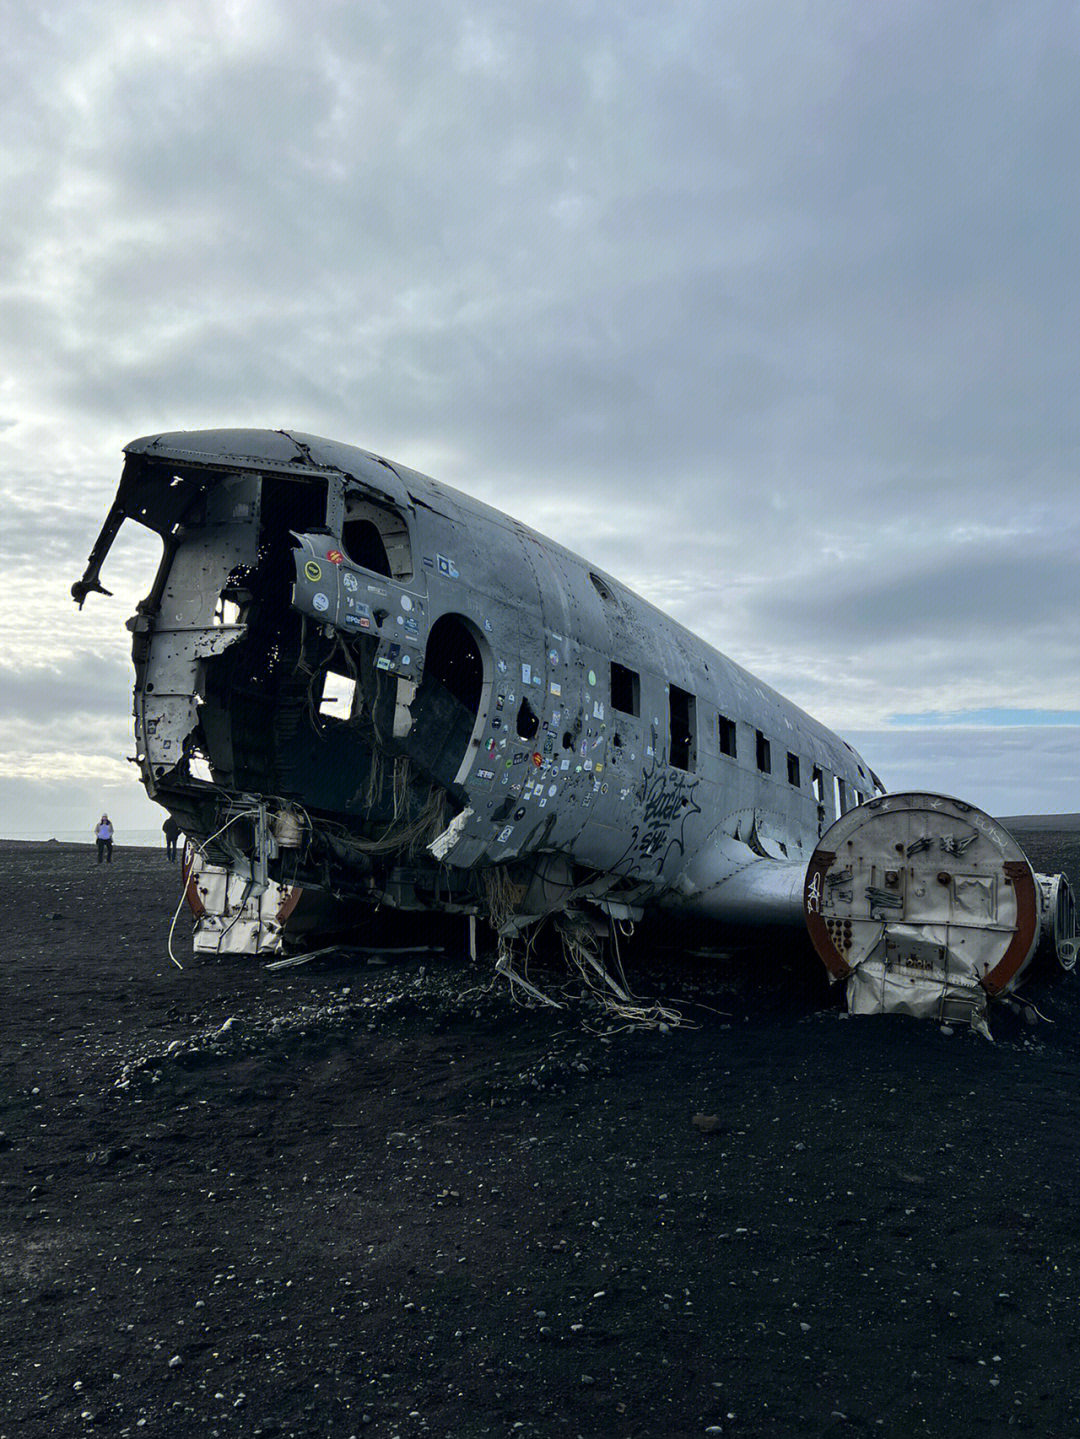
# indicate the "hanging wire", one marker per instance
pixel 583 951
pixel 200 847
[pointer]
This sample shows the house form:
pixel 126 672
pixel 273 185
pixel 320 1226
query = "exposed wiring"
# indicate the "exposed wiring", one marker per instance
pixel 1034 1008
pixel 200 847
pixel 176 916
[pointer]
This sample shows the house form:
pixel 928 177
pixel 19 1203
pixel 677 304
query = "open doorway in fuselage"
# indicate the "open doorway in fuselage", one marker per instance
pixel 451 704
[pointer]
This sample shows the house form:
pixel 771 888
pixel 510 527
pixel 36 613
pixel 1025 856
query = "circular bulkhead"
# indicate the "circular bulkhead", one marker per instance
pixel 923 904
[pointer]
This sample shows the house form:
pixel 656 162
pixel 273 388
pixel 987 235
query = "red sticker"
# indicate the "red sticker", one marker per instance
pixel 335 557
pixel 538 760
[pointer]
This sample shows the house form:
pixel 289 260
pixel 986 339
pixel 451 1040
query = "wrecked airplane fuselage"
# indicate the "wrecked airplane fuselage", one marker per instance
pixel 354 682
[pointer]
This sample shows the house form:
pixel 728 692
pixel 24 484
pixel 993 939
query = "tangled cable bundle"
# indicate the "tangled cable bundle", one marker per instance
pixel 582 949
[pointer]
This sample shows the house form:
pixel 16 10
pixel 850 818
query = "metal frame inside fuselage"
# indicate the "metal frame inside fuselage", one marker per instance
pixel 574 797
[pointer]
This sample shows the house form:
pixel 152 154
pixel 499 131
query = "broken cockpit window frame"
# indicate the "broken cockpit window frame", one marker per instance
pixel 376 537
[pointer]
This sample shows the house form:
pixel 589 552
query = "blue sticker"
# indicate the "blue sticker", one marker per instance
pixel 446 567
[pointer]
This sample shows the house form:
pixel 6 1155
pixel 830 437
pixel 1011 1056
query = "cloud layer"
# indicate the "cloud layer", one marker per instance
pixel 771 313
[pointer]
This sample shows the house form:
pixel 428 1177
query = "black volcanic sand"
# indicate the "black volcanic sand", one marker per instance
pixel 386 1200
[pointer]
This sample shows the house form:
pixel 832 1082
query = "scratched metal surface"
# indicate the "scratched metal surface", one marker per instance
pixel 550 766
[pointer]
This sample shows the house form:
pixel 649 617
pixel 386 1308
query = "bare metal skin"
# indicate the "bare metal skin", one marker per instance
pixel 353 680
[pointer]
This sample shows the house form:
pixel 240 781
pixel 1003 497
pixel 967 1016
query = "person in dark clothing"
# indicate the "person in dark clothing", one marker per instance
pixel 171 830
pixel 103 833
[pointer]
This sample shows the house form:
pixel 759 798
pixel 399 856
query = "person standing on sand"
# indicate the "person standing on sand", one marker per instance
pixel 103 833
pixel 171 830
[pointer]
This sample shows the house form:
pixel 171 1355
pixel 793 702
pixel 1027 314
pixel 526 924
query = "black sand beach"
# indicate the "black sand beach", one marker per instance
pixel 383 1199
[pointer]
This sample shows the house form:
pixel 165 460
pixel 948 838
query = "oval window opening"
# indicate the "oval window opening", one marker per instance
pixel 527 723
pixel 448 700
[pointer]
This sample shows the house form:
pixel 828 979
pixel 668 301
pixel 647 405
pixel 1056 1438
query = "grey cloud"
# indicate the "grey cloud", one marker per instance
pixel 42 809
pixel 84 685
pixel 993 768
pixel 973 597
pixel 780 307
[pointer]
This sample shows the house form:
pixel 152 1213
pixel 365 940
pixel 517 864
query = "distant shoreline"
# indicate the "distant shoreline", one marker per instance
pixel 1064 823
pixel 76 844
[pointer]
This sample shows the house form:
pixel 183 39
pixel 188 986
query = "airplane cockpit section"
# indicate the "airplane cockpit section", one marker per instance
pixel 359 690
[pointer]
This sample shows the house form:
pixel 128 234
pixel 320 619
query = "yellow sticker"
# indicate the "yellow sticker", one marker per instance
pixel 313 571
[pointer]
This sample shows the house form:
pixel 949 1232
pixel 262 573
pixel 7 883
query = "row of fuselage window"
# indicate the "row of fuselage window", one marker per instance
pixel 682 729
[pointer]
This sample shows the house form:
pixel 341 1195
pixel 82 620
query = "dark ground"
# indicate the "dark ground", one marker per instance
pixel 388 1201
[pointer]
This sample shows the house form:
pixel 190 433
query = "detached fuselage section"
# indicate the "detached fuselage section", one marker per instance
pixel 356 684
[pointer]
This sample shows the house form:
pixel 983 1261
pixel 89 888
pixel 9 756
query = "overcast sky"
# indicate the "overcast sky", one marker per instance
pixel 770 309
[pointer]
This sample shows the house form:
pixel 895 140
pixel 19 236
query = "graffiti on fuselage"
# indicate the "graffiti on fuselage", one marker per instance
pixel 666 797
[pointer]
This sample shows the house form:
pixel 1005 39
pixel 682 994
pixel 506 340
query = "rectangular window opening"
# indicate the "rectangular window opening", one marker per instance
pixel 625 690
pixel 764 754
pixel 199 767
pixel 793 769
pixel 339 692
pixel 681 728
pixel 843 797
pixel 817 779
pixel 227 612
pixel 376 537
pixel 727 735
